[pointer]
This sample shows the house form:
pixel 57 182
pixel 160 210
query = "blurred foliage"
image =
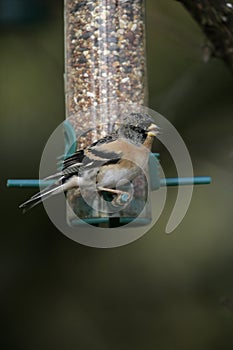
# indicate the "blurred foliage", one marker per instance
pixel 162 291
pixel 215 18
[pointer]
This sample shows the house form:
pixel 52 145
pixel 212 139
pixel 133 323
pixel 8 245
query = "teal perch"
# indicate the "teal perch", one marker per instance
pixel 172 181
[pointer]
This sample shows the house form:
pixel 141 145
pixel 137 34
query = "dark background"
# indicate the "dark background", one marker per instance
pixel 162 291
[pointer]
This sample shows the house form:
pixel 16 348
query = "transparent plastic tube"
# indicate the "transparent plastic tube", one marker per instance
pixel 105 75
pixel 105 53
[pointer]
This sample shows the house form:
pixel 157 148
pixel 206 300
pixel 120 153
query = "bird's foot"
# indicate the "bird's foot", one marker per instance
pixel 121 199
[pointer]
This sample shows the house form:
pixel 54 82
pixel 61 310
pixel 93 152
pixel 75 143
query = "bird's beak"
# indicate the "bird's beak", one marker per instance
pixel 153 130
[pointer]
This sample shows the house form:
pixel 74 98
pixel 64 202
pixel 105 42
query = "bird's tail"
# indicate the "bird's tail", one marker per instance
pixel 42 195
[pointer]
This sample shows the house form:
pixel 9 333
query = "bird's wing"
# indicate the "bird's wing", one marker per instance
pixel 97 154
pixel 94 156
pixel 77 157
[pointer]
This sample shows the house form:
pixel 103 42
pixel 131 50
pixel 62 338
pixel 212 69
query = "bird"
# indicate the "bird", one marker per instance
pixel 117 157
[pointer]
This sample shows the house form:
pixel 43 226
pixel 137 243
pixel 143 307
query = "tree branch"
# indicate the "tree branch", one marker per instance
pixel 215 17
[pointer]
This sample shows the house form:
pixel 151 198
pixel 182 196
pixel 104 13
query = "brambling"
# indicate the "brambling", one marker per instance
pixel 117 157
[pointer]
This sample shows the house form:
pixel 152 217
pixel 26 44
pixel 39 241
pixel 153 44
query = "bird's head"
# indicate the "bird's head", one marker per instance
pixel 137 126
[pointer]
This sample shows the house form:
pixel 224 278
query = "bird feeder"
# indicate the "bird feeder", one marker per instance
pixel 105 75
pixel 105 79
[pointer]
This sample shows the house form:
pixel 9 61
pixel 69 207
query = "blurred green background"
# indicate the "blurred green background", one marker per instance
pixel 160 292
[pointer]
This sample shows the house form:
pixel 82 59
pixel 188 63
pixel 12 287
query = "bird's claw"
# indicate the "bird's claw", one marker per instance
pixel 121 197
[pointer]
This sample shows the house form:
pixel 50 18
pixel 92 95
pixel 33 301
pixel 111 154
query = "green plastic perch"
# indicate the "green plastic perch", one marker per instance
pixel 172 181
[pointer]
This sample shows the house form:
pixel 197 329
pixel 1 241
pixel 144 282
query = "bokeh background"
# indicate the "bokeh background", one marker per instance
pixel 160 292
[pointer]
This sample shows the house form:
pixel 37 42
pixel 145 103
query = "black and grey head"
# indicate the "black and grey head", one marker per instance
pixel 136 126
pixel 139 120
